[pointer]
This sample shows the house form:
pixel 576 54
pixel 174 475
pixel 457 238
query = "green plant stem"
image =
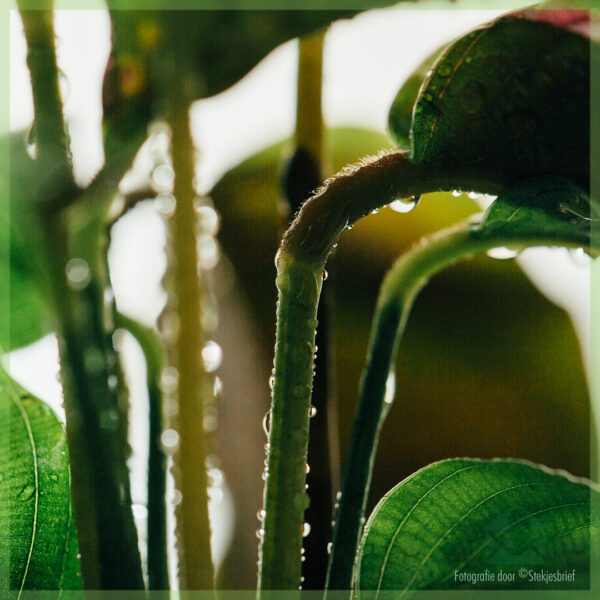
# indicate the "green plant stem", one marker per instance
pixel 149 342
pixel 193 528
pixel 398 292
pixel 95 425
pixel 300 263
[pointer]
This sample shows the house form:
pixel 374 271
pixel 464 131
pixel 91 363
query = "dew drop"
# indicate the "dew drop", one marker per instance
pixel 176 497
pixel 307 469
pixel 266 423
pixel 271 382
pixel 267 446
pixel 338 496
pixel 169 440
pixel 112 381
pixel 165 203
pixel 215 477
pixel 210 419
pixel 78 274
pixel 261 514
pixel 325 275
pixel 217 386
pixel 390 388
pixel 375 211
pixel 502 253
pixel 403 205
pixel 208 219
pixel 329 547
pixel 163 176
pixel 305 529
pixel 474 195
pixel 349 227
pixel 208 252
pixel 169 380
pixel 456 193
pixel 264 475
pixel 312 411
pixel 212 356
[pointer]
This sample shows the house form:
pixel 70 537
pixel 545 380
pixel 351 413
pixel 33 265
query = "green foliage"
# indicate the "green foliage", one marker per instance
pixel 467 516
pixel 37 525
pixel 508 100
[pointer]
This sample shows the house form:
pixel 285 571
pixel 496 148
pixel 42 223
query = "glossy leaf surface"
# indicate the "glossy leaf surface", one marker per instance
pixel 460 517
pixel 37 525
pixel 508 100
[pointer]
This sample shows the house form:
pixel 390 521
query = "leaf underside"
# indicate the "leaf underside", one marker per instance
pixel 37 526
pixel 468 516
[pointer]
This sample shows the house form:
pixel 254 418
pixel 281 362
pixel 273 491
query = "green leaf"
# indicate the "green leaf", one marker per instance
pixel 461 517
pixel 20 277
pixel 37 525
pixel 401 111
pixel 554 206
pixel 508 100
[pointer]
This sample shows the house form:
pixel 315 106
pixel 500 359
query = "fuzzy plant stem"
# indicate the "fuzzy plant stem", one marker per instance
pixel 149 342
pixel 398 292
pixel 300 263
pixel 193 529
pixel 303 175
pixel 95 427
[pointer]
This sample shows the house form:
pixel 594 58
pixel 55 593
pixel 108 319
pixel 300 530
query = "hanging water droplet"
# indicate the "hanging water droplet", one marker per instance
pixel 176 497
pixel 165 203
pixel 212 356
pixel 112 381
pixel 208 219
pixel 457 193
pixel 267 446
pixel 325 275
pixel 329 547
pixel 305 529
pixel 502 253
pixel 215 477
pixel 404 205
pixel 260 533
pixel 312 411
pixel 349 227
pixel 271 382
pixel 375 211
pixel 163 176
pixel 390 388
pixel 307 468
pixel 210 419
pixel 169 440
pixel 169 380
pixel 78 274
pixel 580 257
pixel 212 461
pixel 217 387
pixel 261 514
pixel 302 559
pixel 266 423
pixel 338 496
pixel 30 142
pixel 474 195
pixel 264 475
pixel 302 579
pixel 208 252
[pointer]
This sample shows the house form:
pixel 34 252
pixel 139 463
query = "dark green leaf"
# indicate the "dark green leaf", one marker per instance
pixel 37 526
pixel 461 517
pixel 506 101
pixel 401 111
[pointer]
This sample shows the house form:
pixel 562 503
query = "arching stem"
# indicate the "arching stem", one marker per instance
pixel 398 292
pixel 301 259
